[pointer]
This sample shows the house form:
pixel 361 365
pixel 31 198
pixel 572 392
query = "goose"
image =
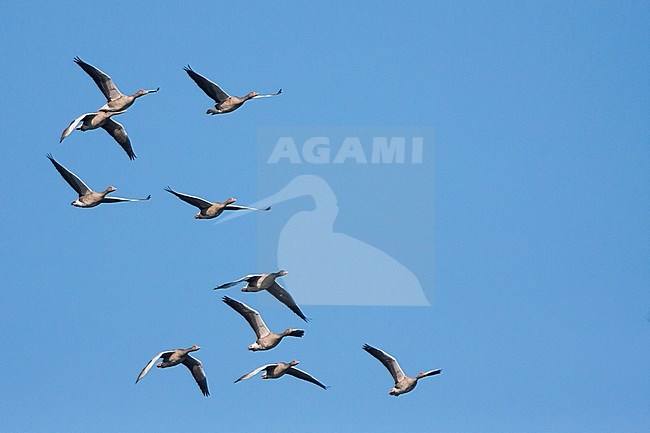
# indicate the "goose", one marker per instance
pixel 174 357
pixel 208 210
pixel 102 119
pixel 265 338
pixel 403 383
pixel 224 103
pixel 259 282
pixel 88 197
pixel 279 369
pixel 115 100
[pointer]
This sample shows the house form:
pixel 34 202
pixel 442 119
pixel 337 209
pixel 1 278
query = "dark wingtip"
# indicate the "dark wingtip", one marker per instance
pixel 77 60
pixel 279 91
pixel 188 68
pixel 268 208
pixel 148 197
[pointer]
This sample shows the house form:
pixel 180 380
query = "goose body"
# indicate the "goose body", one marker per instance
pixel 170 358
pixel 115 100
pixel 403 383
pixel 209 210
pixel 265 338
pixel 259 282
pixel 87 197
pixel 279 369
pixel 224 103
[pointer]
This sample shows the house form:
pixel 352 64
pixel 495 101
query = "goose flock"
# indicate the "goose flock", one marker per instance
pixel 117 104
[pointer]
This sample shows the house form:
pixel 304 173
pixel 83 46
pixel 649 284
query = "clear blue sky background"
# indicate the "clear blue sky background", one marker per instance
pixel 540 319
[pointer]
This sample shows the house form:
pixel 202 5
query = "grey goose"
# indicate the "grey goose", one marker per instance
pixel 208 210
pixel 115 100
pixel 224 103
pixel 259 282
pixel 102 119
pixel 279 369
pixel 174 357
pixel 265 338
pixel 87 197
pixel 403 383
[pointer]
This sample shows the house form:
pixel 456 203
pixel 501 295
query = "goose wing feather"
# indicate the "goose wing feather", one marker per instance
pixel 283 296
pixel 211 89
pixel 389 362
pixel 73 180
pixel 252 316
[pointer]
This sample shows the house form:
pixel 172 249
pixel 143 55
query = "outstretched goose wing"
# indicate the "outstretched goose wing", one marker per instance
pixel 72 179
pixel 118 132
pixel 283 296
pixel 119 199
pixel 151 363
pixel 210 88
pixel 305 376
pixel 268 95
pixel 237 207
pixel 254 372
pixel 251 279
pixel 389 362
pixel 191 199
pixel 252 317
pixel 73 125
pixel 196 368
pixel 103 81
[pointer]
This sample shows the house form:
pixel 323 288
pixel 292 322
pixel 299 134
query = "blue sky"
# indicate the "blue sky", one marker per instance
pixel 538 276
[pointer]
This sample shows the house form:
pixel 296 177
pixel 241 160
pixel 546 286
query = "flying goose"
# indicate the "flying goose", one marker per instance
pixel 208 210
pixel 403 383
pixel 115 100
pixel 174 357
pixel 224 103
pixel 265 338
pixel 259 282
pixel 88 197
pixel 102 119
pixel 279 369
